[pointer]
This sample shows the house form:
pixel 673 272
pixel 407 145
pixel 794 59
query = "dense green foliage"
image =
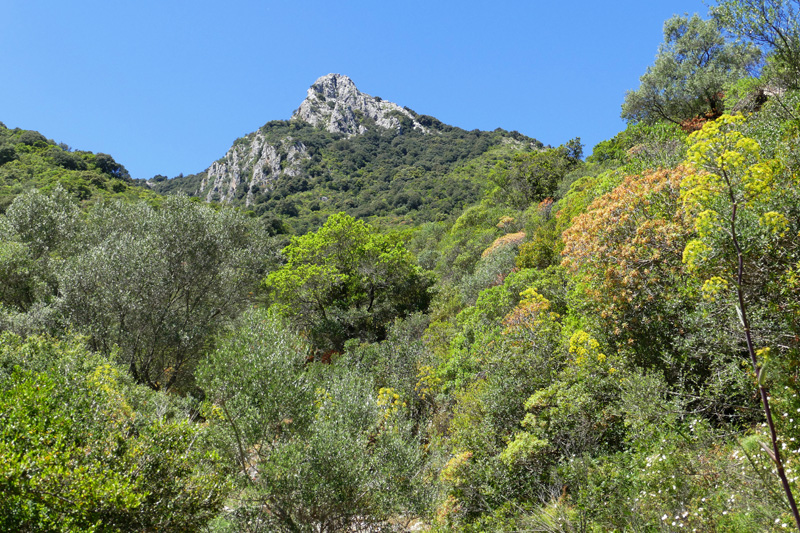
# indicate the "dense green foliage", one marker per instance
pixel 382 174
pixel 150 285
pixel 689 77
pixel 601 345
pixel 29 160
pixel 317 447
pixel 773 24
pixel 156 282
pixel 86 450
pixel 533 176
pixel 347 281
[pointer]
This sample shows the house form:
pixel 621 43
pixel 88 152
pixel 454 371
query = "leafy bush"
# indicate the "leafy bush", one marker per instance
pixel 315 448
pixel 79 452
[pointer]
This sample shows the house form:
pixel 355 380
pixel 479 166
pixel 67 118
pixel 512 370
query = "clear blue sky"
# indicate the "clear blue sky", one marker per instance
pixel 166 86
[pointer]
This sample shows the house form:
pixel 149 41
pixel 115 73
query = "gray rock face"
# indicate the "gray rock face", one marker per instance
pixel 257 164
pixel 252 164
pixel 334 103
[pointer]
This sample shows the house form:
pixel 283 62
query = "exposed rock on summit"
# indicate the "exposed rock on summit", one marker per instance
pixel 335 104
pixel 254 162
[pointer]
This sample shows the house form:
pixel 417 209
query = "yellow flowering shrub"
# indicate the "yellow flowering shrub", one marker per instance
pixel 427 382
pixel 390 402
pixel 730 185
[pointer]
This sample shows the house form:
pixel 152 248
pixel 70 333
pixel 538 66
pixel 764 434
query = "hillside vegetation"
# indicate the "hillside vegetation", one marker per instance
pixel 28 160
pixel 295 175
pixel 563 345
pixel 379 175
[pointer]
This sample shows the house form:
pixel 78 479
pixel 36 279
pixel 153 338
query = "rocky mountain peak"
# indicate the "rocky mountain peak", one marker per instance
pixel 333 102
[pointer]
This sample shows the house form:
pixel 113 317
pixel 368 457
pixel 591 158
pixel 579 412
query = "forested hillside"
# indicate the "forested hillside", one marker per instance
pixel 345 151
pixel 29 160
pixel 472 332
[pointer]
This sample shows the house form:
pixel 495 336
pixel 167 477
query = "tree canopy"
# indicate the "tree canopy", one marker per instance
pixel 347 280
pixel 157 282
pixel 773 24
pixel 692 68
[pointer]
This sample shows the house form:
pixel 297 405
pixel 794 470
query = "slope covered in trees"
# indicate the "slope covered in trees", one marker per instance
pixel 29 160
pixel 608 344
pixel 300 174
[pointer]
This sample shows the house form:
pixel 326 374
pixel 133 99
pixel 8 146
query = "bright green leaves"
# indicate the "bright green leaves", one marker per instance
pixel 346 280
pixel 731 178
pixel 51 476
pixel 77 455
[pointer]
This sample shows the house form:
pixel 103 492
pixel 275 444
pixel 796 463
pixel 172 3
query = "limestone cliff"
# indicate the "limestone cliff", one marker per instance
pixel 250 166
pixel 335 104
pixel 257 160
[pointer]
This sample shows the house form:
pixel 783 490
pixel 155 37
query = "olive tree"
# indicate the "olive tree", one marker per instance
pixel 693 66
pixel 157 282
pixel 772 24
pixel 36 232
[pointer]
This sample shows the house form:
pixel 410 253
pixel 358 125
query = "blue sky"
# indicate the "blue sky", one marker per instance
pixel 166 86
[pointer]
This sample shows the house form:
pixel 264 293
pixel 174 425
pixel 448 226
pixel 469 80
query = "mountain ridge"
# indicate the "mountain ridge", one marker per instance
pixel 344 150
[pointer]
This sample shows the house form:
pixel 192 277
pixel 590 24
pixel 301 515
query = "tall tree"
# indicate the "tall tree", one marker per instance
pixel 773 24
pixel 692 68
pixel 158 282
pixel 347 281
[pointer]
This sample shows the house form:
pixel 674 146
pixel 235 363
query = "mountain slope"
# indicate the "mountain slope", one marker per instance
pixel 29 160
pixel 344 150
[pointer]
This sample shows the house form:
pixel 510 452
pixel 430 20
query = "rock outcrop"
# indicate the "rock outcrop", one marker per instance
pixel 335 104
pixel 249 166
pixel 257 160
